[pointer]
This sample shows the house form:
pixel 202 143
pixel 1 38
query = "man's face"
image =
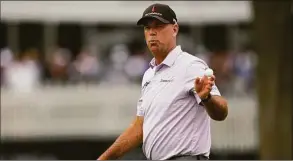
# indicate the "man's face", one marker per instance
pixel 158 35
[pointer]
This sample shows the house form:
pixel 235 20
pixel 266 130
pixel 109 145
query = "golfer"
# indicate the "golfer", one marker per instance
pixel 177 100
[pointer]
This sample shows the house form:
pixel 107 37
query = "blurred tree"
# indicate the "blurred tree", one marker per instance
pixel 273 39
pixel 3 33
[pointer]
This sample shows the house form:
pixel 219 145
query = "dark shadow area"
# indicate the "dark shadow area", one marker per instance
pixel 82 149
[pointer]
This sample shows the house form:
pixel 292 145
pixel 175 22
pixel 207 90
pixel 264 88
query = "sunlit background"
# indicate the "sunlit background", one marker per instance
pixel 71 74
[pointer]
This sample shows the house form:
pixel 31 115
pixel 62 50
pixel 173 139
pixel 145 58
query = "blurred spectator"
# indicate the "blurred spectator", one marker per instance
pixel 115 68
pixel 85 68
pixel 244 67
pixel 57 65
pixel 135 66
pixel 222 64
pixel 23 73
pixel 202 53
pixel 6 57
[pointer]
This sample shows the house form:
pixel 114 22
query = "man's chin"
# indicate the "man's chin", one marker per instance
pixel 154 49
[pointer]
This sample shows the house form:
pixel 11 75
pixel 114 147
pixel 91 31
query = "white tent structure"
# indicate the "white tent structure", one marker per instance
pixel 188 12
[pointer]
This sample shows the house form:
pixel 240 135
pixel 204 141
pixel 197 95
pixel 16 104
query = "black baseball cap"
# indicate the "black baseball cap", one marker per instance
pixel 161 12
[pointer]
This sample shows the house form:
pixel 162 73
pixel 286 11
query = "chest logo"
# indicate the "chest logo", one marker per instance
pixel 166 80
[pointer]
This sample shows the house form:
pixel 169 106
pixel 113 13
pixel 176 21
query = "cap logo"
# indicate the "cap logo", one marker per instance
pixel 153 12
pixel 153 9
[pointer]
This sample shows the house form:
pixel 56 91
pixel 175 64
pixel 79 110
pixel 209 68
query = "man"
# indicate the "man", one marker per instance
pixel 177 100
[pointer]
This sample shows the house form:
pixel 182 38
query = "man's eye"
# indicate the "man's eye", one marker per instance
pixel 159 26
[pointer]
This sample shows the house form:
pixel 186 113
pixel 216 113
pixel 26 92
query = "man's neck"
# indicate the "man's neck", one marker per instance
pixel 160 57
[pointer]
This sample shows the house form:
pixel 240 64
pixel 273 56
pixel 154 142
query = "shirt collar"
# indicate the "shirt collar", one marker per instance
pixel 170 59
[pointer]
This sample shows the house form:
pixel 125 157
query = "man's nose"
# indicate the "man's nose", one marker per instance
pixel 153 32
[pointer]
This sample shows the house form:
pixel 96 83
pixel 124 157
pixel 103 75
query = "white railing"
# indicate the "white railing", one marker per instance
pixel 105 111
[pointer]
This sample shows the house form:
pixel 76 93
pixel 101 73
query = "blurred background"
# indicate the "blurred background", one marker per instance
pixel 71 73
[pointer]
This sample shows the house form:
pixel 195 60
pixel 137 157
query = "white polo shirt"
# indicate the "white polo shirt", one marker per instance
pixel 174 121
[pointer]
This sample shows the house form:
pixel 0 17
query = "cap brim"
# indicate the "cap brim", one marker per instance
pixel 144 20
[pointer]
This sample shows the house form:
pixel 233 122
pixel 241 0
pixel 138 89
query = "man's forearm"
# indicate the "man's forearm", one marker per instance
pixel 128 140
pixel 217 108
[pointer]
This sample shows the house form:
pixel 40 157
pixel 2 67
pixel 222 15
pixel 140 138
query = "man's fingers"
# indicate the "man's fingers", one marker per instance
pixel 204 78
pixel 211 83
pixel 206 82
pixel 212 78
pixel 209 88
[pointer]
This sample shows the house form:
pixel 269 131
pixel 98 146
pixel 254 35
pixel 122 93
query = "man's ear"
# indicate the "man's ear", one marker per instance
pixel 175 29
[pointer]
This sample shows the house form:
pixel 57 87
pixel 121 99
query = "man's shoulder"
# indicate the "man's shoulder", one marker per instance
pixel 146 75
pixel 189 59
pixel 147 72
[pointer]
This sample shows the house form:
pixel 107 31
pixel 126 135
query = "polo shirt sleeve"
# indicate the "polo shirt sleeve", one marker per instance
pixel 139 108
pixel 194 70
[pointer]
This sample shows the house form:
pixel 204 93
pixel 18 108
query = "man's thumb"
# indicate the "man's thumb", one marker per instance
pixel 197 80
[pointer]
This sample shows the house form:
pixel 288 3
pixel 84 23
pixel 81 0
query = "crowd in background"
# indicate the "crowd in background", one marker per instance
pixel 113 57
pixel 234 71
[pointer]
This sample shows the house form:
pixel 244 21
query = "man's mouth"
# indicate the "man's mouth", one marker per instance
pixel 154 42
